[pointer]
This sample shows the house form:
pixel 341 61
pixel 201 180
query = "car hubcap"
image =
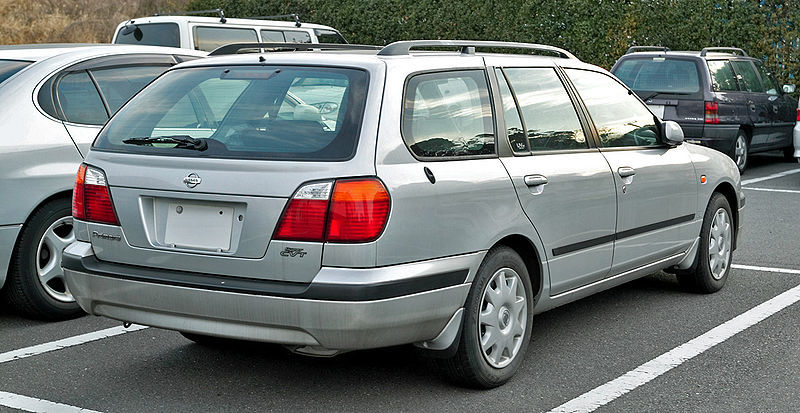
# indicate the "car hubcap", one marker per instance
pixel 48 259
pixel 719 244
pixel 741 151
pixel 503 317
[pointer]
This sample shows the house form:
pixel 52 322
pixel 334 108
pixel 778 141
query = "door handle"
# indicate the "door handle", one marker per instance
pixel 752 107
pixel 774 109
pixel 535 180
pixel 626 171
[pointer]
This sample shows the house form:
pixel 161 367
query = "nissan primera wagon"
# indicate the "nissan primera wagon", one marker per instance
pixel 447 199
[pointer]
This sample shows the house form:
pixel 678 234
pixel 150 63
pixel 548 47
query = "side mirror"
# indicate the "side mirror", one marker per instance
pixel 673 134
pixel 788 88
pixel 127 29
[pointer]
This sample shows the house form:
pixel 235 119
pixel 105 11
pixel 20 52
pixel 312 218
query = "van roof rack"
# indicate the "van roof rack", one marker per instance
pixel 722 49
pixel 234 48
pixel 294 16
pixel 219 12
pixel 634 49
pixel 468 47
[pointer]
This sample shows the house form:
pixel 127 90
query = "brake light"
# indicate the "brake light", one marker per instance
pixel 347 211
pixel 712 112
pixel 91 200
pixel 798 114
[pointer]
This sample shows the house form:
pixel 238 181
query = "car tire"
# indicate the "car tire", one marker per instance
pixel 35 286
pixel 711 267
pixel 741 150
pixel 499 307
pixel 788 154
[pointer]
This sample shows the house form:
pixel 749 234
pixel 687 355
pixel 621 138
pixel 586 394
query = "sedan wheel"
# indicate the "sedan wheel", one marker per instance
pixel 712 264
pixel 48 259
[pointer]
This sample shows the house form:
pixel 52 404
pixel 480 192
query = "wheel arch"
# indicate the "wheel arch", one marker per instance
pixel 526 249
pixel 727 190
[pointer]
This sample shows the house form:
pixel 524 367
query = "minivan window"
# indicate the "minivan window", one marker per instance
pixel 294 36
pixel 722 77
pixel 246 112
pixel 448 114
pixel 208 38
pixel 550 119
pixel 621 119
pixel 659 74
pixel 153 34
pixel 9 67
pixel 767 80
pixel 118 84
pixel 79 100
pixel 329 36
pixel 747 76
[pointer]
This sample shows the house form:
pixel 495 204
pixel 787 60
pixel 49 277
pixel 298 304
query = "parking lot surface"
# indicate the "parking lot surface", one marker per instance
pixel 643 346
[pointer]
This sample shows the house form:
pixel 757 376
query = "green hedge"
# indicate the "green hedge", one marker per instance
pixel 597 31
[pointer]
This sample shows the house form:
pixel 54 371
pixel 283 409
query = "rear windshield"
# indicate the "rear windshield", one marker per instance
pixel 247 112
pixel 659 74
pixel 9 67
pixel 153 34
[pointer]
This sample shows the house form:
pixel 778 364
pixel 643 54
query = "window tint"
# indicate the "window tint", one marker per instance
pixel 294 36
pixel 270 36
pixel 237 112
pixel 120 83
pixel 79 99
pixel 620 118
pixel 659 74
pixel 747 76
pixel 210 38
pixel 329 36
pixel 448 114
pixel 550 118
pixel 722 77
pixel 767 80
pixel 514 128
pixel 9 67
pixel 154 34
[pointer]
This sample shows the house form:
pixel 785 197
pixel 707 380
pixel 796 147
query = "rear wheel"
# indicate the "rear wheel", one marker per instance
pixel 496 327
pixel 788 154
pixel 714 254
pixel 741 151
pixel 36 286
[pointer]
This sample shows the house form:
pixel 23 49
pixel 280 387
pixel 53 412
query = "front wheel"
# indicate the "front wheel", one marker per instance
pixel 714 254
pixel 496 327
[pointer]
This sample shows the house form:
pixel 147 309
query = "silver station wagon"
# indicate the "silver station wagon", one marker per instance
pixel 352 199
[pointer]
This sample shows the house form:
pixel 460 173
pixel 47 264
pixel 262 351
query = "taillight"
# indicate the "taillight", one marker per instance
pixel 712 112
pixel 798 114
pixel 346 211
pixel 91 200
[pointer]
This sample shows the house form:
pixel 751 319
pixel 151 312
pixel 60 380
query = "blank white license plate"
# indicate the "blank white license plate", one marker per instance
pixel 658 110
pixel 199 226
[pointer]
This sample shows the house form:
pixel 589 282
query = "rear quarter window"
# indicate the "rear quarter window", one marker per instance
pixel 722 77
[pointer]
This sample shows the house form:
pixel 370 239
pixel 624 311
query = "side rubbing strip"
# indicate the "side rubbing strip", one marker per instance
pixel 620 235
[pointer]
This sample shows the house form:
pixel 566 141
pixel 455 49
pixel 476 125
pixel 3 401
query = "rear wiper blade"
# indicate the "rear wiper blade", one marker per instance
pixel 654 94
pixel 181 141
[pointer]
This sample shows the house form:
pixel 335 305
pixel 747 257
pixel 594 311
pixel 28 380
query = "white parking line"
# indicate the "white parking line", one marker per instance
pixel 643 374
pixel 787 191
pixel 768 177
pixel 67 342
pixel 765 269
pixel 30 404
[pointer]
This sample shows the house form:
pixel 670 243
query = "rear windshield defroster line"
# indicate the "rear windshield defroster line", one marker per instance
pixel 302 113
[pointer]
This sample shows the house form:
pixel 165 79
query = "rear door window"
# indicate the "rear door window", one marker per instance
pixel 272 36
pixel 9 67
pixel 118 84
pixel 297 36
pixel 722 77
pixel 246 112
pixel 208 38
pixel 659 74
pixel 153 34
pixel 79 100
pixel 747 76
pixel 448 114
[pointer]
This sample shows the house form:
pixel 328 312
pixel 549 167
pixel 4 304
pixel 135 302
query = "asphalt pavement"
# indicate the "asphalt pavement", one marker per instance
pixel 644 346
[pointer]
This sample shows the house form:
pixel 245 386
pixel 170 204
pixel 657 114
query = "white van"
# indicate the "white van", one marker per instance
pixel 209 33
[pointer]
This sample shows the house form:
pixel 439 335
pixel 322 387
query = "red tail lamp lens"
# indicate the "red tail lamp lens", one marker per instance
pixel 712 112
pixel 359 210
pixel 91 199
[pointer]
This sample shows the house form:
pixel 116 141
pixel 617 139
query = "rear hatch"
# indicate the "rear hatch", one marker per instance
pixel 671 86
pixel 202 163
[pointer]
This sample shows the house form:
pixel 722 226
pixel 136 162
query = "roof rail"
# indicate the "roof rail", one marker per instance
pixel 233 48
pixel 294 16
pixel 634 49
pixel 219 12
pixel 723 49
pixel 468 47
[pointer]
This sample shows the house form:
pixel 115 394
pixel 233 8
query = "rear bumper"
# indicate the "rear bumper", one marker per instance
pixel 719 137
pixel 356 315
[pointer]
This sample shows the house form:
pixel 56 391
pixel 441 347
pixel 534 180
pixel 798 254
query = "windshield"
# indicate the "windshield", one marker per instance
pixel 152 34
pixel 659 74
pixel 9 67
pixel 251 112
